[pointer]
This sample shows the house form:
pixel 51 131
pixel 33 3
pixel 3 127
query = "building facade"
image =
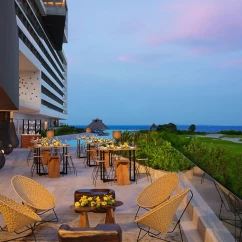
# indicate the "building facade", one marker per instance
pixel 42 29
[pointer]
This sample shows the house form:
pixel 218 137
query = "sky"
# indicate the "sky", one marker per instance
pixel 142 62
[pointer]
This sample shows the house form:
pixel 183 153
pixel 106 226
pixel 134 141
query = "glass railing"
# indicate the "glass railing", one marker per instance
pixel 55 3
pixel 55 7
pixel 221 209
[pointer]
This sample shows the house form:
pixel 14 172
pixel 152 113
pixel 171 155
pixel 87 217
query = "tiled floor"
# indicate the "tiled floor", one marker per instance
pixel 63 189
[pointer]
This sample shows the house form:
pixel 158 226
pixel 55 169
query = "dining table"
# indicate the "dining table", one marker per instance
pixel 132 158
pixel 39 147
pixel 88 154
pixel 79 146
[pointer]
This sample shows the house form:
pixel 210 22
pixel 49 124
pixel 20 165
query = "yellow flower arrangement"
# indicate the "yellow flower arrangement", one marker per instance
pixel 125 145
pixel 84 137
pixel 56 142
pixel 95 201
pixel 96 140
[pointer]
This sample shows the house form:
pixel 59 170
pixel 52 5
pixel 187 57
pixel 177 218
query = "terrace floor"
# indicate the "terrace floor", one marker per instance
pixel 63 189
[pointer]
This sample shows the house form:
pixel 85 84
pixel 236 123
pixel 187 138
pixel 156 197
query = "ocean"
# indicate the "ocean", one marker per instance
pixel 199 128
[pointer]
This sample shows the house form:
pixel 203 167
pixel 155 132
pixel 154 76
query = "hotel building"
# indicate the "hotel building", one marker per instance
pixel 33 65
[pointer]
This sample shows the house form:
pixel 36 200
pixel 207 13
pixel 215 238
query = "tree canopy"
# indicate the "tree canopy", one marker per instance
pixel 167 127
pixel 192 128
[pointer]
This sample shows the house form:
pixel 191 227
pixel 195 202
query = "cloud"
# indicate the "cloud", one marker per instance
pixel 142 57
pixel 131 27
pixel 73 60
pixel 236 63
pixel 128 58
pixel 205 27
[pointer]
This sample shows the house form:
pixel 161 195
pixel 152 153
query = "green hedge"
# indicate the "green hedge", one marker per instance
pixel 218 163
pixel 167 151
pixel 160 153
pixel 65 129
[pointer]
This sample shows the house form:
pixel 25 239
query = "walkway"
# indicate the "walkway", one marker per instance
pixel 63 189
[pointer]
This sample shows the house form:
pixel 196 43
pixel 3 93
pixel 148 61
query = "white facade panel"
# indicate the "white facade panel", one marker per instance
pixel 40 66
pixel 29 88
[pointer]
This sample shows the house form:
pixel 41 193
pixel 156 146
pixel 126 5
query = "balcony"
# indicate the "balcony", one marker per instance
pixel 55 7
pixel 55 21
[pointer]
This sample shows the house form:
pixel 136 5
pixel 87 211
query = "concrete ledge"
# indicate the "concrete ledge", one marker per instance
pixel 208 225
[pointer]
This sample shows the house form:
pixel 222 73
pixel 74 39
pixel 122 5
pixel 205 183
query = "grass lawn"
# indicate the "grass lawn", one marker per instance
pixel 231 167
pixel 234 148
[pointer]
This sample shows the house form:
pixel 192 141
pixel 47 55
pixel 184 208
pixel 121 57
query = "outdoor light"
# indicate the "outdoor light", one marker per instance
pixel 45 125
pixel 117 134
pixel 88 130
pixel 50 133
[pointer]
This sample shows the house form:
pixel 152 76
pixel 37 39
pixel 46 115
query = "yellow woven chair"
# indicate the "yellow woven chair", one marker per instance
pixel 157 192
pixel 34 195
pixel 17 217
pixel 160 217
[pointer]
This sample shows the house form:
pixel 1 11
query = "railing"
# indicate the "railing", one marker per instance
pixel 55 7
pixel 225 205
pixel 55 3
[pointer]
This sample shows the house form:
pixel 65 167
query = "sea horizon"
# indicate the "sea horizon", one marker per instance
pixel 199 128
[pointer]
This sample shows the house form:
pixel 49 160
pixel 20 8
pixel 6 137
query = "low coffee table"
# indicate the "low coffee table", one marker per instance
pixel 110 219
pixel 94 192
pixel 84 221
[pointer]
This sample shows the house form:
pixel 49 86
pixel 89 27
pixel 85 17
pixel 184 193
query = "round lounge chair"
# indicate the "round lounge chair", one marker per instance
pixel 17 216
pixel 157 192
pixel 160 217
pixel 34 195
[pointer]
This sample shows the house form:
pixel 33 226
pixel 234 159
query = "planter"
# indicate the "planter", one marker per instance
pixel 88 130
pixel 153 172
pixel 50 133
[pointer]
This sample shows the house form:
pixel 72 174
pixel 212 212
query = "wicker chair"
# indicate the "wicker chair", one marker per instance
pixel 17 217
pixel 160 217
pixel 233 205
pixel 157 192
pixel 34 196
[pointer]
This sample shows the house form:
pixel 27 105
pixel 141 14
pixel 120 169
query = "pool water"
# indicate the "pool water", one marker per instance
pixel 74 142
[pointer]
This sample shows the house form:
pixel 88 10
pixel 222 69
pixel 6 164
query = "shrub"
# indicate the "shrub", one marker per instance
pixel 65 129
pixel 233 132
pixel 161 154
pixel 218 163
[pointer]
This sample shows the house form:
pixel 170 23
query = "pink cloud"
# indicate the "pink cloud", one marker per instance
pixel 131 27
pixel 128 58
pixel 72 60
pixel 237 63
pixel 205 27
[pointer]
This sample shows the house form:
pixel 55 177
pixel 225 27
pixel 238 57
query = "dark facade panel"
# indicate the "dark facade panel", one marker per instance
pixel 9 57
pixel 55 25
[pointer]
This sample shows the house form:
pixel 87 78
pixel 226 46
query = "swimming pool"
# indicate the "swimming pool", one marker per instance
pixel 74 142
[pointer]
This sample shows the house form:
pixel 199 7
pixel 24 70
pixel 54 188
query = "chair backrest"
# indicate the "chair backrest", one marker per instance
pixel 160 217
pixel 16 216
pixel 158 191
pixel 32 193
pixel 231 202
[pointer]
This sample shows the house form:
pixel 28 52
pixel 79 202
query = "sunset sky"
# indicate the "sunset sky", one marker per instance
pixel 159 61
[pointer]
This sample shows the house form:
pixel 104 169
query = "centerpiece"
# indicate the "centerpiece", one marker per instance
pixel 125 145
pixel 95 201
